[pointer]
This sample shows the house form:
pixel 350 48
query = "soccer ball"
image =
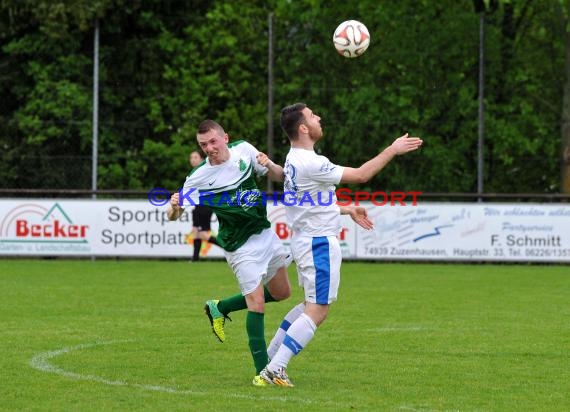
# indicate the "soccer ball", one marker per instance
pixel 351 38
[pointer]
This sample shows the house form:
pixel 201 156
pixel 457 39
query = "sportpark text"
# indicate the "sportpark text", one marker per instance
pixel 250 198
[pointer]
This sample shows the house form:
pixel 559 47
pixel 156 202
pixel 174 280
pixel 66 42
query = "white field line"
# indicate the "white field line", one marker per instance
pixel 41 362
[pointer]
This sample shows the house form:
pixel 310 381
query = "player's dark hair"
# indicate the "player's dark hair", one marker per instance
pixel 208 125
pixel 291 118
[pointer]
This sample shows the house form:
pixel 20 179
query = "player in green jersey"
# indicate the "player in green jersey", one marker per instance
pixel 226 181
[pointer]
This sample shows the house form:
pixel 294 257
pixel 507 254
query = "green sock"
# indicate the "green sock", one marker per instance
pixel 257 346
pixel 268 297
pixel 232 304
pixel 237 302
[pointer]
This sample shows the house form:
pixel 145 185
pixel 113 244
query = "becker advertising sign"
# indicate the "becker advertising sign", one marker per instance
pixel 43 228
pixel 457 231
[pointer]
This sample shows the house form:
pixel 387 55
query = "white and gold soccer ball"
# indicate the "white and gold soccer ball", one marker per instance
pixel 351 38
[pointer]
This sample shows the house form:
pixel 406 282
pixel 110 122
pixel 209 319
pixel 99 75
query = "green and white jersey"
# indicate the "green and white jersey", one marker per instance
pixel 231 191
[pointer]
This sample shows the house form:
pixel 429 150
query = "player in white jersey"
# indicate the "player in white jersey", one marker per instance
pixel 225 181
pixel 315 223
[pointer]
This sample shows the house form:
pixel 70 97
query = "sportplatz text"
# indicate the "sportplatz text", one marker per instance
pixel 249 198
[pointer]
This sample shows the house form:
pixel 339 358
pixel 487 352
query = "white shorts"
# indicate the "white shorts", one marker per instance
pixel 318 266
pixel 257 260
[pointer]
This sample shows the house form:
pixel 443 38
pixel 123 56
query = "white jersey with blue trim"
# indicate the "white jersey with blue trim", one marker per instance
pixel 310 197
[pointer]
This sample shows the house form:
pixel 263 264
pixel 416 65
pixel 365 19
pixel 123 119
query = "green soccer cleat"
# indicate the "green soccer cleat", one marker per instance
pixel 217 319
pixel 259 381
pixel 278 378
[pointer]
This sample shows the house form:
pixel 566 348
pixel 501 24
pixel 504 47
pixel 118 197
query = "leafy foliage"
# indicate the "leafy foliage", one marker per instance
pixel 167 65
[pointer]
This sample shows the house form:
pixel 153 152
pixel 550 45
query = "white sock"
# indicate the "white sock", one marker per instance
pixel 297 337
pixel 289 318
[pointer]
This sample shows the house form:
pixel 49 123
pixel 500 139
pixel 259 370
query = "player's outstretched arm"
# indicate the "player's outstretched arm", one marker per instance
pixel 174 209
pixel 359 215
pixel 402 145
pixel 275 172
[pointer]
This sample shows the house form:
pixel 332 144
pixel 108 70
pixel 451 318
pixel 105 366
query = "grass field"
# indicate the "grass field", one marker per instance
pixel 131 335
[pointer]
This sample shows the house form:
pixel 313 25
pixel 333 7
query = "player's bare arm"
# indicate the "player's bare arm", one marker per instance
pixel 275 172
pixel 359 215
pixel 402 145
pixel 174 209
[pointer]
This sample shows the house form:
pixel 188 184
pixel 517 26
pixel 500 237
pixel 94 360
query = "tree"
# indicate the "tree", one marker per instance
pixel 564 13
pixel 165 65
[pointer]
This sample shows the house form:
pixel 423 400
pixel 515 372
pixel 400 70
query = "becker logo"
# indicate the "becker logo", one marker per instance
pixel 36 223
pixel 276 216
pixel 278 220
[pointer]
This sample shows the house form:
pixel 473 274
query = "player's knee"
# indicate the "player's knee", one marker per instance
pixel 255 304
pixel 282 292
pixel 318 313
